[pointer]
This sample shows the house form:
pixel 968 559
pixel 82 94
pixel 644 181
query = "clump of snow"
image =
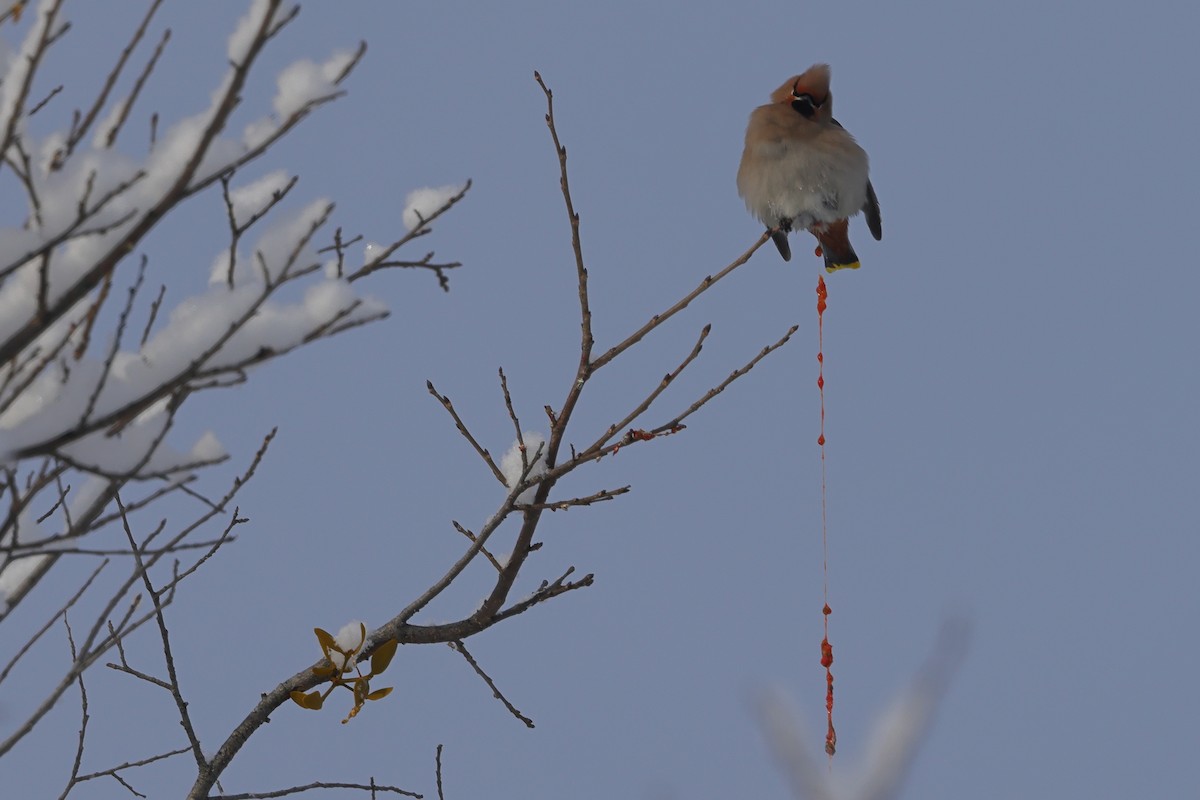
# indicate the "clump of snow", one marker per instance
pixel 372 251
pixel 421 204
pixel 247 27
pixel 219 274
pixel 14 574
pixel 257 132
pixel 254 197
pixel 49 150
pixel 278 243
pixel 90 492
pixel 208 448
pixel 137 448
pixel 304 81
pixel 512 464
pixel 16 66
pixel 350 640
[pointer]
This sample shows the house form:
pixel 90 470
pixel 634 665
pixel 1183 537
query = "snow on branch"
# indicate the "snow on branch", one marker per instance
pixel 101 347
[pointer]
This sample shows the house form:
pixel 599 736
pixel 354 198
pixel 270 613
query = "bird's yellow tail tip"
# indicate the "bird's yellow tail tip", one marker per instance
pixel 832 268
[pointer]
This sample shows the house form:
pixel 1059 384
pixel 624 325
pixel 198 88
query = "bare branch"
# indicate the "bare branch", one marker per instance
pixel 563 505
pixel 462 428
pixel 46 37
pixel 585 312
pixel 142 762
pixel 185 718
pixel 471 537
pixel 59 614
pixel 128 104
pixel 659 319
pixel 89 118
pixel 371 787
pixel 545 592
pixel 512 415
pixel 462 648
pixel 438 770
pixel 733 376
pixel 84 716
pixel 42 103
pixel 641 407
pixel 381 260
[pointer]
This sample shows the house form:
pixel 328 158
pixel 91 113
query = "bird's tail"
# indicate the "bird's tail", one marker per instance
pixel 779 237
pixel 835 245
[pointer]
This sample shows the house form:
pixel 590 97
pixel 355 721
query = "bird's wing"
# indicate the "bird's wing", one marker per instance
pixel 871 209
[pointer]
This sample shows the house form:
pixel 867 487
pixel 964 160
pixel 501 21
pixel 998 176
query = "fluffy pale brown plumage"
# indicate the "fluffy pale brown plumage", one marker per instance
pixel 802 170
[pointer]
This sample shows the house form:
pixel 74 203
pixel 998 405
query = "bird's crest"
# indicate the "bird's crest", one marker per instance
pixel 814 82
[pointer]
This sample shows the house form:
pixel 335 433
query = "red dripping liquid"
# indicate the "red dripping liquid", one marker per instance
pixel 826 647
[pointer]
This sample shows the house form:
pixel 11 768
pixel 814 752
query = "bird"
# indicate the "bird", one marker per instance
pixel 801 170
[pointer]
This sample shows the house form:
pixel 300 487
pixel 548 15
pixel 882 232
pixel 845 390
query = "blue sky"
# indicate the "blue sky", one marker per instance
pixel 1011 396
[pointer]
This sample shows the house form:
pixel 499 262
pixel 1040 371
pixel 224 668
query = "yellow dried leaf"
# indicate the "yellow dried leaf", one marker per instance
pixel 326 640
pixel 310 701
pixel 379 694
pixel 382 656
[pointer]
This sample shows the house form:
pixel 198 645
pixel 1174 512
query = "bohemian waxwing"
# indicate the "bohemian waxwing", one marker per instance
pixel 802 170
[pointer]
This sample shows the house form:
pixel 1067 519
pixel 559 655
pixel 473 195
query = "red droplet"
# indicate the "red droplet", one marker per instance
pixel 818 252
pixel 821 357
pixel 821 440
pixel 827 610
pixel 821 381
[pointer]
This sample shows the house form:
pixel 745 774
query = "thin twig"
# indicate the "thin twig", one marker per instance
pixel 380 261
pixel 185 717
pixel 308 787
pixel 512 415
pixel 585 311
pixel 659 319
pixel 82 128
pixel 545 592
pixel 127 104
pixel 458 527
pixel 84 715
pixel 462 648
pixel 438 760
pixel 141 762
pixel 563 505
pixel 733 376
pixel 641 407
pixel 462 428
pixel 61 613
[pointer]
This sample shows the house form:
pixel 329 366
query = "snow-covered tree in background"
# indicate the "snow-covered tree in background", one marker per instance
pixel 99 355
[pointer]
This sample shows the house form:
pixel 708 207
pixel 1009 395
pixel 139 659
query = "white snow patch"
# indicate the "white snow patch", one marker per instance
pixel 350 639
pixel 512 464
pixel 243 35
pixel 14 573
pixel 372 251
pixel 254 197
pixel 208 448
pixel 421 204
pixel 304 81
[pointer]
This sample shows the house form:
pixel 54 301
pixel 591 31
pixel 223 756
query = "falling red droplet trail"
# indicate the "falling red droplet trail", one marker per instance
pixel 826 647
